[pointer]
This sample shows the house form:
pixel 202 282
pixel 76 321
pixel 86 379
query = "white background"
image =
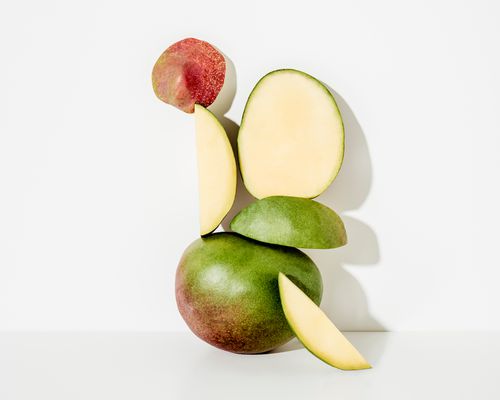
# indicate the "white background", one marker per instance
pixel 98 190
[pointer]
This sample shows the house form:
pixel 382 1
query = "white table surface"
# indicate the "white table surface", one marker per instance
pixel 172 366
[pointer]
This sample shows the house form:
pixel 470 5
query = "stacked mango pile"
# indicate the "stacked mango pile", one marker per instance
pixel 252 290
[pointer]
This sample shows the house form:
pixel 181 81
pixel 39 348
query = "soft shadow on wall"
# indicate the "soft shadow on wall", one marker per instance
pixel 344 299
pixel 220 107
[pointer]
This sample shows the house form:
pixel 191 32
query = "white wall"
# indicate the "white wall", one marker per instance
pixel 98 191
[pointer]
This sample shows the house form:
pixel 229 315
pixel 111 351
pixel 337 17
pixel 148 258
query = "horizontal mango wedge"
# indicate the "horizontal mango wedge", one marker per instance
pixel 291 221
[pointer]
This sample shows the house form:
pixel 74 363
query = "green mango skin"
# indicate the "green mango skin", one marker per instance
pixel 291 221
pixel 227 291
